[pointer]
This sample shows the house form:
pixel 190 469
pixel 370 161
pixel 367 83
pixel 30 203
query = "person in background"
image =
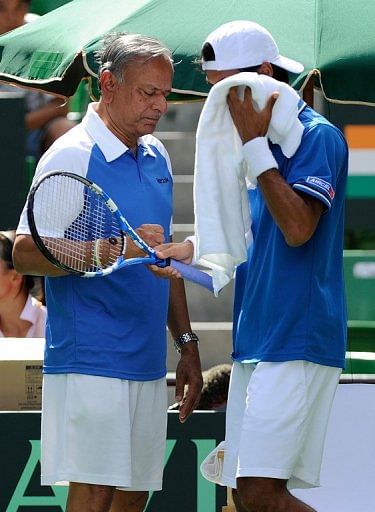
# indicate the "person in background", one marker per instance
pixel 104 411
pixel 45 115
pixel 290 323
pixel 215 388
pixel 22 313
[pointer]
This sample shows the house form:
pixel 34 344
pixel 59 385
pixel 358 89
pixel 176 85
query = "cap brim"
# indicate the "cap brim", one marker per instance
pixel 289 64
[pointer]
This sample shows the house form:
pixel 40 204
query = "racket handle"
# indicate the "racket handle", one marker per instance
pixel 193 274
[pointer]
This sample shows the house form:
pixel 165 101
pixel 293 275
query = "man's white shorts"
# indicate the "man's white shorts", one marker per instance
pixel 105 431
pixel 277 416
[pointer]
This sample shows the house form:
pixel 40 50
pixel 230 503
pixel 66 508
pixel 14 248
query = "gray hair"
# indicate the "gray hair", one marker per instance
pixel 120 49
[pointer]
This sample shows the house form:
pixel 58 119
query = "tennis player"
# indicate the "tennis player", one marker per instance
pixel 289 328
pixel 104 411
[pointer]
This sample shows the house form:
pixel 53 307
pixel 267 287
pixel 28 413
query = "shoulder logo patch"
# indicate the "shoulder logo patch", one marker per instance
pixel 322 184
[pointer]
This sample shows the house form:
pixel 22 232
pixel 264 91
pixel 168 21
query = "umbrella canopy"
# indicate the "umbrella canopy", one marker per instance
pixel 334 39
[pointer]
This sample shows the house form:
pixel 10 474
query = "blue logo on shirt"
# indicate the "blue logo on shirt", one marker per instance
pixel 162 180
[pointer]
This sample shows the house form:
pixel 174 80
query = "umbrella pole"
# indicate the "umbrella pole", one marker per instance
pixel 308 92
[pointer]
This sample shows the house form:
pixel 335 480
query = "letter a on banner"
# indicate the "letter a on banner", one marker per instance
pixel 20 500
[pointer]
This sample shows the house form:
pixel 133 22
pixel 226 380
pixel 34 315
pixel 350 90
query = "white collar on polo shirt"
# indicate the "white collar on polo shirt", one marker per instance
pixel 110 145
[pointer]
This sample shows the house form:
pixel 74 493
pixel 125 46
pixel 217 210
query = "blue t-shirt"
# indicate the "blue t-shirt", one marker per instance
pixel 113 326
pixel 290 301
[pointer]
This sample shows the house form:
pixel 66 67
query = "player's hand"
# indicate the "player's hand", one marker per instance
pixel 250 123
pixel 182 251
pixel 189 380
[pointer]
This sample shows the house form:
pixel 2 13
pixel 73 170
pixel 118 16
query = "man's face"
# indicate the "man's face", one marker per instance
pixel 12 14
pixel 140 100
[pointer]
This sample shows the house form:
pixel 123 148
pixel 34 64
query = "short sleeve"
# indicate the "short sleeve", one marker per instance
pixel 67 159
pixel 318 163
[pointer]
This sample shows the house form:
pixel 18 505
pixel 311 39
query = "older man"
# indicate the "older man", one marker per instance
pixel 104 395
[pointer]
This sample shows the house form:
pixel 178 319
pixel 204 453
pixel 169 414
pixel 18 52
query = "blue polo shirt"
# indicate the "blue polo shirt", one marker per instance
pixel 113 326
pixel 290 301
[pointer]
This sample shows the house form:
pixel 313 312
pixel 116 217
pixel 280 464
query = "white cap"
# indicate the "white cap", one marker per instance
pixel 243 44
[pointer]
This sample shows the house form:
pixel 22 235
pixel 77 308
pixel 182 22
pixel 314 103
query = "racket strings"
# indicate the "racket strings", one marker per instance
pixel 107 235
pixel 76 225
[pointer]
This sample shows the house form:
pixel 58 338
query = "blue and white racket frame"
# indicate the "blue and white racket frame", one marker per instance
pixel 187 272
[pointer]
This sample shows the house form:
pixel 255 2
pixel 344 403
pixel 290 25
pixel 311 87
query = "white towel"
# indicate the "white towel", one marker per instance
pixel 221 206
pixel 212 466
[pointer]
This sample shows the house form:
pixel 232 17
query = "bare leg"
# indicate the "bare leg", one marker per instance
pixel 237 502
pixel 129 501
pixel 89 498
pixel 268 495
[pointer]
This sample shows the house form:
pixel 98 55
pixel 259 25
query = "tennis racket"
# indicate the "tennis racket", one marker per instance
pixel 79 229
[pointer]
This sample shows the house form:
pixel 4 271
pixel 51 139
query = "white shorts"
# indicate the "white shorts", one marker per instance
pixel 104 431
pixel 276 421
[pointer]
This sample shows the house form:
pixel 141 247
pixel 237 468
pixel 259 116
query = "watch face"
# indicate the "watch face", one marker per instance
pixel 186 337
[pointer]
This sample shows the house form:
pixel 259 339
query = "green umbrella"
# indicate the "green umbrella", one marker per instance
pixel 334 39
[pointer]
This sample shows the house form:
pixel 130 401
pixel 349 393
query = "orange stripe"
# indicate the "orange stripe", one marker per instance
pixel 360 135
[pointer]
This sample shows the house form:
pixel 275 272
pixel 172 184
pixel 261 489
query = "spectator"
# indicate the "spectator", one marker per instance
pixel 46 116
pixel 214 393
pixel 22 313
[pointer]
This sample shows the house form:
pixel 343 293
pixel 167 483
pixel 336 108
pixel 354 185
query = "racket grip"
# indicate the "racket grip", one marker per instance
pixel 193 274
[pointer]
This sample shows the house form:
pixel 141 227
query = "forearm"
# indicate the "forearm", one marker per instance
pixel 38 118
pixel 29 260
pixel 295 214
pixel 188 371
pixel 178 316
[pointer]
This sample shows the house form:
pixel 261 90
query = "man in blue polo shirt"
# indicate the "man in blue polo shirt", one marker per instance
pixel 289 306
pixel 104 388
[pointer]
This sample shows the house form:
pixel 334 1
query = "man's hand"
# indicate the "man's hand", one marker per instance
pixel 152 234
pixel 249 123
pixel 182 251
pixel 189 380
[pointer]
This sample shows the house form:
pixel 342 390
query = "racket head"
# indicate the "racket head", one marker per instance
pixel 80 229
pixel 75 225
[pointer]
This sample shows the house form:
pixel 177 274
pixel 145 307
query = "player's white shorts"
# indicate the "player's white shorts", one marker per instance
pixel 276 421
pixel 105 431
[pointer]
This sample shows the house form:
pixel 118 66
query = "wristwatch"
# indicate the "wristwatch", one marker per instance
pixel 186 337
